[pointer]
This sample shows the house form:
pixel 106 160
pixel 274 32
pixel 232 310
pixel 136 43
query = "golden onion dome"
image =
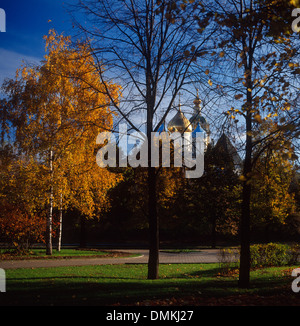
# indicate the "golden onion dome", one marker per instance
pixel 179 123
pixel 197 102
pixel 197 118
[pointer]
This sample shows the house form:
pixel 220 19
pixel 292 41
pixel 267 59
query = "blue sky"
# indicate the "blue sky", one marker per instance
pixel 26 24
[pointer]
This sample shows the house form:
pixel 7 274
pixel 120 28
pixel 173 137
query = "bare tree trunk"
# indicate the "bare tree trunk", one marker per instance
pixel 60 224
pixel 213 231
pixel 153 261
pixel 83 232
pixel 50 212
pixel 244 272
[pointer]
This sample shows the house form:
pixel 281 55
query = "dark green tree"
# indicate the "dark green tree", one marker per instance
pixel 257 56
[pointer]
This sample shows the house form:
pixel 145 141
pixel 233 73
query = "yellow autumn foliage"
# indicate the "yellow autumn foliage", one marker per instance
pixel 60 107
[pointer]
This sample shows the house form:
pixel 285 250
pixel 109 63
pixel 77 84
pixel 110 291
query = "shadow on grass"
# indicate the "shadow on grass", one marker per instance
pixel 95 286
pixel 92 290
pixel 98 293
pixel 211 272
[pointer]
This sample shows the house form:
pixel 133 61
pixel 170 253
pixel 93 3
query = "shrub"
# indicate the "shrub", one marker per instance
pixel 262 255
pixel 20 229
pixel 273 254
pixel 294 254
pixel 228 260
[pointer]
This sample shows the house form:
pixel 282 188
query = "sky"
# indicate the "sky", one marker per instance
pixel 27 21
pixel 26 24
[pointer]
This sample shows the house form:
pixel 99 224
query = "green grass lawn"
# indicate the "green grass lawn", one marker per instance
pixel 68 253
pixel 64 253
pixel 179 284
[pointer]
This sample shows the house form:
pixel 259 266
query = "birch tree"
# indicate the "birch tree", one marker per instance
pixel 57 117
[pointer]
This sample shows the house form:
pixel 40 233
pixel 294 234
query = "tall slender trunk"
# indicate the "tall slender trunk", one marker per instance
pixel 244 273
pixel 153 262
pixel 60 223
pixel 213 231
pixel 50 212
pixel 82 231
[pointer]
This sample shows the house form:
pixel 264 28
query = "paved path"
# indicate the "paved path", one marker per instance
pixel 203 256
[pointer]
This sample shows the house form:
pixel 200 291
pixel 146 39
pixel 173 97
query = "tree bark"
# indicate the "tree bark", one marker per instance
pixel 50 212
pixel 82 232
pixel 244 272
pixel 153 262
pixel 214 232
pixel 60 224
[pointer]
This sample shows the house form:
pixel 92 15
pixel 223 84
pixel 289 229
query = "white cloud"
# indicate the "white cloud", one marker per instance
pixel 10 61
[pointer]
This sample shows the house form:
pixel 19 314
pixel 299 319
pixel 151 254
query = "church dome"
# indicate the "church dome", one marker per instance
pixel 196 119
pixel 179 123
pixel 197 101
pixel 197 129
